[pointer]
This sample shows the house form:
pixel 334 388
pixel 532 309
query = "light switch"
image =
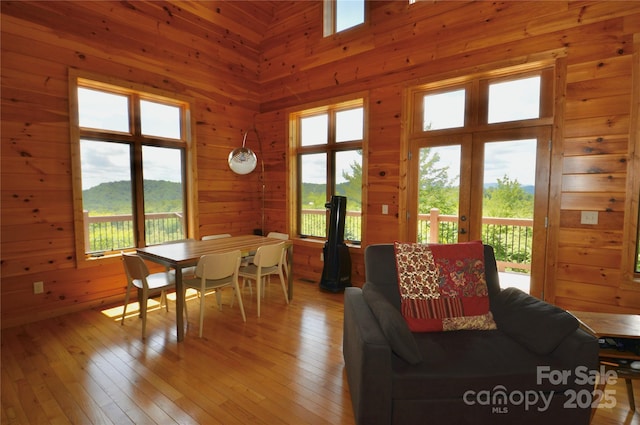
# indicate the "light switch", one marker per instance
pixel 589 217
pixel 385 209
pixel 38 287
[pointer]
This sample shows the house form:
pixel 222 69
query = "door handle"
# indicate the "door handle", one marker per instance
pixel 463 231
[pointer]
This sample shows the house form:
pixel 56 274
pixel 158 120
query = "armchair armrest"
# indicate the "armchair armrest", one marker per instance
pixel 367 357
pixel 539 326
pixel 578 349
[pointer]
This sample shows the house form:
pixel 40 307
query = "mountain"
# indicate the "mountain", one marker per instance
pixel 115 197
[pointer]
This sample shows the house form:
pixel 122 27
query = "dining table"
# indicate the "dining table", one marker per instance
pixel 186 253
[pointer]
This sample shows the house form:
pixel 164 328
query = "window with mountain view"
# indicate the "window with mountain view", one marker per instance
pixel 329 148
pixel 132 150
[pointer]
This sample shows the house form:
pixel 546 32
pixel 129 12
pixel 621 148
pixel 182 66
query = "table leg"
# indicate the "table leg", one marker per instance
pixel 290 271
pixel 632 401
pixel 139 293
pixel 179 304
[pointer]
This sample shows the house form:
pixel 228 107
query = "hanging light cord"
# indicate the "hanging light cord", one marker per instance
pixel 244 140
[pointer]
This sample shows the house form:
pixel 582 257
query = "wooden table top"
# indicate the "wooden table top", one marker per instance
pixel 609 324
pixel 187 253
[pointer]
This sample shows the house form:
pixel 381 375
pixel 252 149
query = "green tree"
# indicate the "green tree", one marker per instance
pixel 507 199
pixel 436 189
pixel 352 189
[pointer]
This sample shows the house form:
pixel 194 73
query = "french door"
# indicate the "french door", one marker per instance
pixel 488 185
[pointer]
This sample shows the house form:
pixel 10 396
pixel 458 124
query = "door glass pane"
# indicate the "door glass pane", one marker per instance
pixel 157 119
pixel 438 194
pixel 349 183
pixel 103 111
pixel 313 194
pixel 163 194
pixel 106 196
pixel 443 110
pixel 507 207
pixel 314 130
pixel 514 100
pixel 349 125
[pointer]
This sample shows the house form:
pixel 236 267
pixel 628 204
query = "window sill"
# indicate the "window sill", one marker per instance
pixel 312 241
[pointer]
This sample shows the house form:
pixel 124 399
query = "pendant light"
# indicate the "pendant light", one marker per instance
pixel 243 160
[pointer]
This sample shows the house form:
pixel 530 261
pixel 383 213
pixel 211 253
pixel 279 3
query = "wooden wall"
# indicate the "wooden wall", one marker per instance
pixel 205 50
pixel 246 62
pixel 592 44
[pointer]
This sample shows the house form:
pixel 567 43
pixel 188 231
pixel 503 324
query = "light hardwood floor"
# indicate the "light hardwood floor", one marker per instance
pixel 284 368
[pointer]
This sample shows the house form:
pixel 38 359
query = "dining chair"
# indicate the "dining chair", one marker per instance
pixel 147 283
pixel 267 261
pixel 275 235
pixel 190 272
pixel 214 272
pixel 283 236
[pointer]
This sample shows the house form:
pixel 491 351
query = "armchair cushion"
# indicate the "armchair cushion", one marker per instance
pixel 443 287
pixel 535 324
pixel 393 325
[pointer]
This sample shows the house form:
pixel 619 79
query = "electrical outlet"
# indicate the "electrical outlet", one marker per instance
pixel 589 217
pixel 38 287
pixel 322 256
pixel 385 209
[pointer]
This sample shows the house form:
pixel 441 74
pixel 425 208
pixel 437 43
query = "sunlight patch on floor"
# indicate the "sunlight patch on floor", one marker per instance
pixel 133 309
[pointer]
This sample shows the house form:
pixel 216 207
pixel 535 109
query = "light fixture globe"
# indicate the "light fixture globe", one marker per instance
pixel 242 160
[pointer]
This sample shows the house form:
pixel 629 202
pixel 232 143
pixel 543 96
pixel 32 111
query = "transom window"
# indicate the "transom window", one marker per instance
pixel 130 155
pixel 329 151
pixel 449 107
pixel 340 15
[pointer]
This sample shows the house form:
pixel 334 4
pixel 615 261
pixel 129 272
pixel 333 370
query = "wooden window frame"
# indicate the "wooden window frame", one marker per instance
pixel 330 148
pixel 476 86
pixel 134 138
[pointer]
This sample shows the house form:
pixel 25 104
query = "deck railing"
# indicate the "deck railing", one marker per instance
pixel 314 223
pixel 113 232
pixel 511 238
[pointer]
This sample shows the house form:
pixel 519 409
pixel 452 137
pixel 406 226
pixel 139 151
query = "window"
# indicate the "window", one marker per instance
pixel 443 110
pixel 340 15
pixel 329 144
pixel 522 95
pixel 130 153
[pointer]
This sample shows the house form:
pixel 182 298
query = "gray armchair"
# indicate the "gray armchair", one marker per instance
pixel 459 377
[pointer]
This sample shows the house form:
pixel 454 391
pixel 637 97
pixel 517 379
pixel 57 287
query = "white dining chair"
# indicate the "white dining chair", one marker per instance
pixel 190 272
pixel 267 261
pixel 283 236
pixel 214 272
pixel 275 235
pixel 138 276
